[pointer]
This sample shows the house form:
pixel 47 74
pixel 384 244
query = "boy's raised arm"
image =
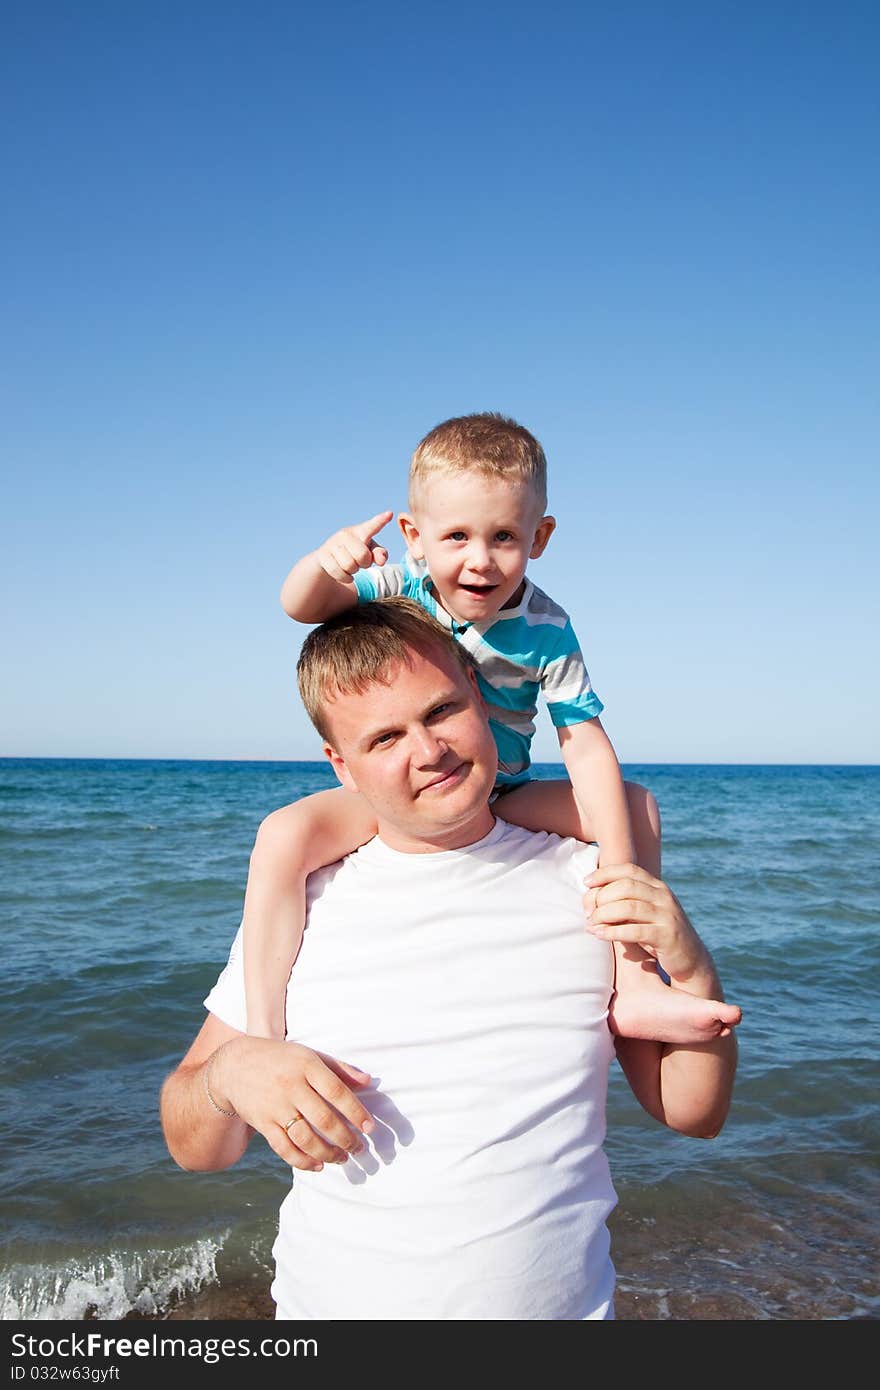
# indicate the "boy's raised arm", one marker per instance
pixel 320 584
pixel 592 766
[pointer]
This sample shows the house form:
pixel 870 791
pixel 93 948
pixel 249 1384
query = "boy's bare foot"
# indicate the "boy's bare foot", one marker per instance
pixel 671 1015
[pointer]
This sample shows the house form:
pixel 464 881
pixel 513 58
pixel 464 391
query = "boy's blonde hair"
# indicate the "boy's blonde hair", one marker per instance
pixel 489 444
pixel 362 646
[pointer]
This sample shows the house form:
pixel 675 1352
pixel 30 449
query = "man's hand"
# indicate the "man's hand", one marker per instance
pixel 624 903
pixel 269 1084
pixel 687 1087
pixel 353 548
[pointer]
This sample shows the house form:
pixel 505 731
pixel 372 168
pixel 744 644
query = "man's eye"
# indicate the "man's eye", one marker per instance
pixel 439 710
pixel 382 740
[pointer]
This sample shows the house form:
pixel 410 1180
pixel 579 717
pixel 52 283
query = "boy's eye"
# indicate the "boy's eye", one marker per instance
pixel 457 536
pixel 504 536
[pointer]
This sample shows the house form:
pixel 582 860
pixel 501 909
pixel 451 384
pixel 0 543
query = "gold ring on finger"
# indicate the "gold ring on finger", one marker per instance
pixel 297 1115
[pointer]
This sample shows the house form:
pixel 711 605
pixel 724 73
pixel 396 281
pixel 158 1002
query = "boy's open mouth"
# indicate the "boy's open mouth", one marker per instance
pixel 478 588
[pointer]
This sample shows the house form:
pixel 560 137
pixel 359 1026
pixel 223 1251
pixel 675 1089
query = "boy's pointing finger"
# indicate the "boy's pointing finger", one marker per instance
pixel 367 529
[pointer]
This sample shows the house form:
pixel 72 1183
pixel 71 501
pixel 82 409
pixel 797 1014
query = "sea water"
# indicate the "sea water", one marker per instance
pixel 122 886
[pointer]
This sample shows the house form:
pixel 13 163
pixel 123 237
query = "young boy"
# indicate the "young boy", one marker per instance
pixel 477 502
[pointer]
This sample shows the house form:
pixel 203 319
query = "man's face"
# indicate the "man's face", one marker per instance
pixel 420 751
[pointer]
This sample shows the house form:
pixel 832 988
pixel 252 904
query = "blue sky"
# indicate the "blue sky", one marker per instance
pixel 253 252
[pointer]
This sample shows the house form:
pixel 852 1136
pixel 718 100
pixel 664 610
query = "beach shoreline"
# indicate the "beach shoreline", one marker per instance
pixel 247 1303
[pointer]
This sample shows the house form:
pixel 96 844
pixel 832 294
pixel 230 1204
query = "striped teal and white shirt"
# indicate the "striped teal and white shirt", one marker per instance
pixel 518 652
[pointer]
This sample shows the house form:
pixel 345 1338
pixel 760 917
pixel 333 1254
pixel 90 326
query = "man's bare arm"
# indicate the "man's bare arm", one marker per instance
pixel 230 1086
pixel 199 1137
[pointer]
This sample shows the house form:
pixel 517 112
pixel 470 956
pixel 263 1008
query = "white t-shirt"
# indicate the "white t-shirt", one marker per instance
pixel 465 983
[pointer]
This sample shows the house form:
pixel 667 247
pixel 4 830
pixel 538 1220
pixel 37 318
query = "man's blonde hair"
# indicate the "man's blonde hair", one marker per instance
pixel 362 647
pixel 490 444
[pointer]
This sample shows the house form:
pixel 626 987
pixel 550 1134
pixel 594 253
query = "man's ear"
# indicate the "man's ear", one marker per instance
pixel 340 767
pixel 412 535
pixel 472 677
pixel 543 531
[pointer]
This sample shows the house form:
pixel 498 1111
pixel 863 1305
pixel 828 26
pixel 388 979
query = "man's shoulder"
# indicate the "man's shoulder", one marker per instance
pixel 557 851
pixel 507 846
pixel 537 870
pixel 341 870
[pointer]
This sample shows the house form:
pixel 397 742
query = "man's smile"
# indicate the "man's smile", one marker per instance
pixel 444 780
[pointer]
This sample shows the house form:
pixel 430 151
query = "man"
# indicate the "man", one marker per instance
pixel 465 1176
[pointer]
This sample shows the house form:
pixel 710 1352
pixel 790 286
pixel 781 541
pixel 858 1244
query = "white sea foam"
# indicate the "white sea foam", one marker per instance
pixel 108 1286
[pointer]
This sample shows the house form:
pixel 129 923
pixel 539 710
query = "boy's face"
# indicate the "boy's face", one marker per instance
pixel 476 536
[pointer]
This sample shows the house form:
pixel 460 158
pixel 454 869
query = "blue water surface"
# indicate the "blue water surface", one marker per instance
pixel 122 886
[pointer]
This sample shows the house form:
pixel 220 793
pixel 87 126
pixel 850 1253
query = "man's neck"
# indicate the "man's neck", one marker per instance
pixel 460 837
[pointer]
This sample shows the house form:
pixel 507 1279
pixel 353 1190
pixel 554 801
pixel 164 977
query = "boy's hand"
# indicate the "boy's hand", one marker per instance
pixel 624 903
pixel 353 548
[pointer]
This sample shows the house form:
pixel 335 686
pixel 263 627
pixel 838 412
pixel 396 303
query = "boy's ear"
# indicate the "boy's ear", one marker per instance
pixel 339 766
pixel 543 531
pixel 411 535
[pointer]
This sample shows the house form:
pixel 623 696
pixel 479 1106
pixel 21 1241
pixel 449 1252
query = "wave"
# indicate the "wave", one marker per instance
pixel 109 1286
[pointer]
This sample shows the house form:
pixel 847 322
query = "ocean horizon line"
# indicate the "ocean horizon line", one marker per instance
pixel 321 762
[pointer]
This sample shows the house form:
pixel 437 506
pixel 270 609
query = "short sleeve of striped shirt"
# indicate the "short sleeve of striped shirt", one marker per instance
pixel 565 682
pixel 381 581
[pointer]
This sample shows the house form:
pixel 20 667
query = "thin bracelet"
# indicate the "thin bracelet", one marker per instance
pixel 206 1073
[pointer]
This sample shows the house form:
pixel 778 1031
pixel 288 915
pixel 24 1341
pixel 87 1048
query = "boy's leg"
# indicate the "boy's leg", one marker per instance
pixel 553 806
pixel 644 819
pixel 291 843
pixel 642 1005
